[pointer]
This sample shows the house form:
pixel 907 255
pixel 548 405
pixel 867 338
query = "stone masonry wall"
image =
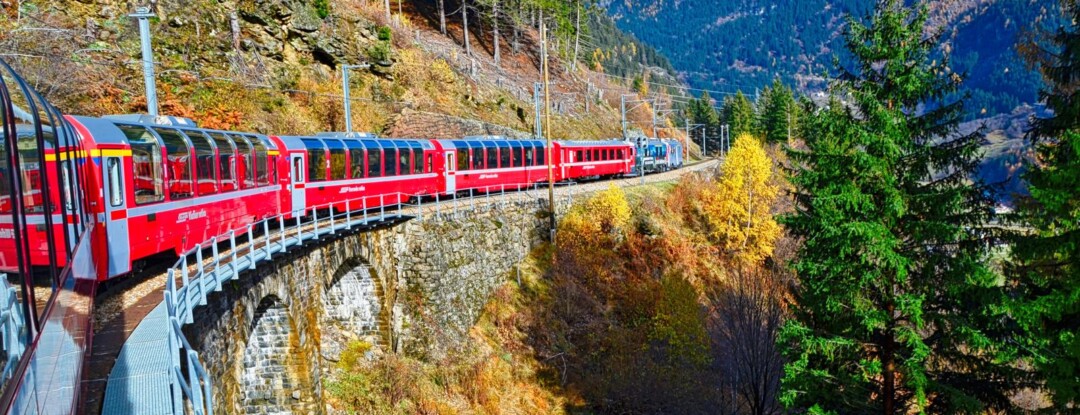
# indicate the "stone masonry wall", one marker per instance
pixel 434 275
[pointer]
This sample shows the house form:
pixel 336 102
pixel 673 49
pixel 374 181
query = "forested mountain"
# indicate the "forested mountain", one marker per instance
pixel 744 44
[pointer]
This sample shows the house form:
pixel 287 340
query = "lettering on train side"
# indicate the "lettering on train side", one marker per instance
pixel 190 215
pixel 351 189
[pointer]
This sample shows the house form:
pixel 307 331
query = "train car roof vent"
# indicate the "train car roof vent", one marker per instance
pixel 154 120
pixel 342 134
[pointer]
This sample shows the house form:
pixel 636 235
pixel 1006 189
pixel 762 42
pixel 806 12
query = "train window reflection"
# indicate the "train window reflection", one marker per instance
pixel 262 174
pixel 391 161
pixel 178 164
pixel 205 166
pixel 244 164
pixel 146 160
pixel 337 159
pixel 226 167
pixel 418 161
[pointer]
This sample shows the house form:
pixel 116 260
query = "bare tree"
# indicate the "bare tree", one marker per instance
pixel 577 33
pixel 465 20
pixel 442 16
pixel 495 30
pixel 747 315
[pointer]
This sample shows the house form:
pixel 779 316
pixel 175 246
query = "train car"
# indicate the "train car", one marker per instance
pixel 167 186
pixel 652 155
pixel 675 154
pixel 491 163
pixel 357 171
pixel 595 159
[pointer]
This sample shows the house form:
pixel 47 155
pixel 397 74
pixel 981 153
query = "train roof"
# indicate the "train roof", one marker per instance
pixel 106 130
pixel 583 143
pixel 490 141
pixel 355 140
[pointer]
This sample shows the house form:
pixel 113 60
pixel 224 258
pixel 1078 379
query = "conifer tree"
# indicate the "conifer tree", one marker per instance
pixel 894 311
pixel 777 112
pixel 739 115
pixel 1046 260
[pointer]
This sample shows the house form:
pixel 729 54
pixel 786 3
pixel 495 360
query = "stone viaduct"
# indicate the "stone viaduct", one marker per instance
pixel 267 338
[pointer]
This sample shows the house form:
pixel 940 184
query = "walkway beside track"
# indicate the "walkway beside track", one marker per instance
pixel 140 377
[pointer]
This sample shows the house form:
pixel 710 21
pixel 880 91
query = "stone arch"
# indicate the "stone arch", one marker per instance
pixel 353 308
pixel 267 386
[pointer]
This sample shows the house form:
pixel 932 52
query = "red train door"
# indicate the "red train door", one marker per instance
pixel 116 223
pixel 451 166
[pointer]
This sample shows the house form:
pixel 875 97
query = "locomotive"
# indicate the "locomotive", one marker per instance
pixel 161 185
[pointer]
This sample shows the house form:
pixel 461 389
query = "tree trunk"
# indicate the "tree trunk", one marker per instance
pixel 465 19
pixel 442 17
pixel 577 34
pixel 387 11
pixel 495 26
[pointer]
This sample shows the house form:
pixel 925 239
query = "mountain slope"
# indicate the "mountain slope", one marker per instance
pixel 744 44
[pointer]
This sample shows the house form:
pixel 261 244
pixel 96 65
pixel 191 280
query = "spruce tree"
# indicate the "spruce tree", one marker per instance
pixel 894 311
pixel 740 116
pixel 1046 259
pixel 777 111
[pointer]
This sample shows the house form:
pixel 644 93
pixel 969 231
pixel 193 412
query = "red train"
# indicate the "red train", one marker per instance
pixel 161 185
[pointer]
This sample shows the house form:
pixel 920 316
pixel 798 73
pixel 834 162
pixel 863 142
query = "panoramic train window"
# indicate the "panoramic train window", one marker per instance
pixel 529 156
pixel 226 166
pixel 316 160
pixel 389 160
pixel 244 164
pixel 418 161
pixel 504 157
pixel 478 158
pixel 205 168
pixel 178 164
pixel 116 191
pixel 462 159
pixel 374 162
pixel 403 161
pixel 356 159
pixel 541 152
pixel 337 159
pixel 146 159
pixel 262 170
pixel 492 158
pixel 516 155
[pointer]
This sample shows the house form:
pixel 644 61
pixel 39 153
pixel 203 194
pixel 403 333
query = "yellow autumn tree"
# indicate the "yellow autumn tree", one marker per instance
pixel 738 212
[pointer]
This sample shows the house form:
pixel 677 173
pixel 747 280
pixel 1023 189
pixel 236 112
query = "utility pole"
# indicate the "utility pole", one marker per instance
pixel 537 91
pixel 345 97
pixel 144 14
pixel 622 110
pixel 547 126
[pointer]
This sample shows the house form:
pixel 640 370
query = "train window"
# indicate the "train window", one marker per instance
pixel 541 153
pixel 226 166
pixel 504 157
pixel 462 159
pixel 418 161
pixel 430 162
pixel 244 162
pixel 298 170
pixel 374 162
pixel 529 156
pixel 390 161
pixel 492 158
pixel 116 191
pixel 516 156
pixel 337 159
pixel 620 154
pixel 205 167
pixel 316 160
pixel 579 156
pixel 146 159
pixel 478 158
pixel 178 164
pixel 403 161
pixel 356 163
pixel 262 171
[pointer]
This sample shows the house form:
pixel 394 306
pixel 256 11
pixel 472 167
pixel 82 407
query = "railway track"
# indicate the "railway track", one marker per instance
pixel 120 308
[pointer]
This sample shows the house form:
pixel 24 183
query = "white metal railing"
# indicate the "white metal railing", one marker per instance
pixel 203 277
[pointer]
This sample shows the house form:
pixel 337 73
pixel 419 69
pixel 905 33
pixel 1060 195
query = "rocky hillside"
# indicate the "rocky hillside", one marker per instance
pixel 275 66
